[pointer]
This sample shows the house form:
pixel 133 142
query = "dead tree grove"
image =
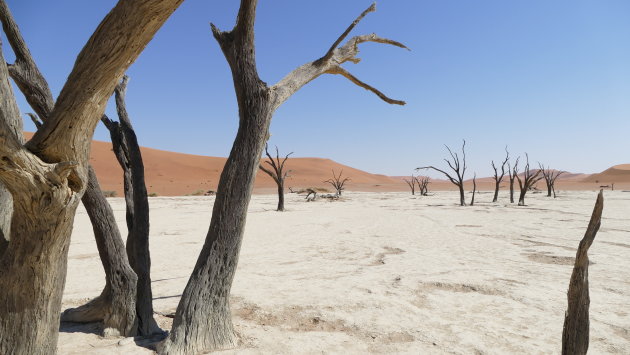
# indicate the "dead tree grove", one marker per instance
pixel 203 319
pixel 277 173
pixel 48 175
pixel 550 177
pixel 338 182
pixel 458 165
pixel 498 177
pixel 512 174
pixel 528 181
pixel 575 332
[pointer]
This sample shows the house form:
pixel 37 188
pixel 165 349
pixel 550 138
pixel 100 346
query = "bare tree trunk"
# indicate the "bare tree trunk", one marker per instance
pixel 6 211
pixel 462 198
pixel 127 151
pixel 116 306
pixel 511 190
pixel 496 192
pixel 281 197
pixel 472 200
pixel 575 332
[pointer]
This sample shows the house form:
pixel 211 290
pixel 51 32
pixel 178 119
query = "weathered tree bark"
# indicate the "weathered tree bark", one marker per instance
pixel 472 200
pixel 529 179
pixel 512 174
pixel 575 332
pixel 337 182
pixel 118 316
pixel 47 176
pixel 459 168
pixel 116 306
pixel 498 178
pixel 127 151
pixel 203 320
pixel 277 174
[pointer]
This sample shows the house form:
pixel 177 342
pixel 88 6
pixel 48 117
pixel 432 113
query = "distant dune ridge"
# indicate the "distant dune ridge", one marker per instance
pixel 176 174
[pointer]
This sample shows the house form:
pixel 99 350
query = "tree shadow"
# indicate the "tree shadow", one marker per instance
pixel 87 328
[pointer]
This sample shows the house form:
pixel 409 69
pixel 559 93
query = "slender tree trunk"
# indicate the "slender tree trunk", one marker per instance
pixel 281 196
pixel 521 197
pixel 496 192
pixel 116 306
pixel 472 200
pixel 127 151
pixel 512 190
pixel 549 188
pixel 462 196
pixel 575 332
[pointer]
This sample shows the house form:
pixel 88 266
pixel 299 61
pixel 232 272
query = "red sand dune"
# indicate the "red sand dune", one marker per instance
pixel 616 174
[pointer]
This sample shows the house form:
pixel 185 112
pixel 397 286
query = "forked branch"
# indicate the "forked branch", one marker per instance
pixel 338 182
pixel 331 62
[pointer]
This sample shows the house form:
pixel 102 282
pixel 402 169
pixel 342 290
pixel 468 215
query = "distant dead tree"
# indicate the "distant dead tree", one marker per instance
pixel 513 172
pixel 458 165
pixel 575 332
pixel 472 200
pixel 550 177
pixel 528 181
pixel 412 184
pixel 499 177
pixel 423 184
pixel 338 182
pixel 277 173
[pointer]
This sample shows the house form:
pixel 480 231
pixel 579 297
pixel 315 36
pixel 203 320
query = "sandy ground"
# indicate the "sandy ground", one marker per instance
pixel 385 273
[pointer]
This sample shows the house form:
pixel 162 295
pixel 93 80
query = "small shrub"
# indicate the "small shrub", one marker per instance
pixel 153 194
pixel 198 193
pixel 108 193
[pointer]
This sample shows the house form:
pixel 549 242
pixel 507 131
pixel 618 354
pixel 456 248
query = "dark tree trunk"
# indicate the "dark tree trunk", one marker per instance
pixel 521 197
pixel 496 192
pixel 549 188
pixel 511 190
pixel 575 332
pixel 462 196
pixel 116 306
pixel 472 200
pixel 281 196
pixel 127 151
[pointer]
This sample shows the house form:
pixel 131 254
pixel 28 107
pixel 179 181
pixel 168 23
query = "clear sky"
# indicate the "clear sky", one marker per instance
pixel 547 77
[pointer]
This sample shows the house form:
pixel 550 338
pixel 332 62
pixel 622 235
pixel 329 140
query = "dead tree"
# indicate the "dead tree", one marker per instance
pixel 499 177
pixel 412 184
pixel 458 165
pixel 127 151
pixel 337 182
pixel 116 306
pixel 277 174
pixel 203 318
pixel 528 181
pixel 550 177
pixel 512 174
pixel 472 200
pixel 575 332
pixel 423 184
pixel 48 175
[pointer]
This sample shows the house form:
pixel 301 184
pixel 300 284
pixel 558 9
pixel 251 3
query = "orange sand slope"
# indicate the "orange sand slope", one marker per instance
pixel 173 174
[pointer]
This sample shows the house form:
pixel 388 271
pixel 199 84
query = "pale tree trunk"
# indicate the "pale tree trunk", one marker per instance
pixel 6 211
pixel 203 320
pixel 117 315
pixel 46 194
pixel 575 332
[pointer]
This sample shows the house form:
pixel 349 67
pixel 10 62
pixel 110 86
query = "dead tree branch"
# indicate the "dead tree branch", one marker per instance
pixel 550 177
pixel 528 181
pixel 412 183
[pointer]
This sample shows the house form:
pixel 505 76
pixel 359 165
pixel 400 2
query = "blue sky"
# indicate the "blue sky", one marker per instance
pixel 547 77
